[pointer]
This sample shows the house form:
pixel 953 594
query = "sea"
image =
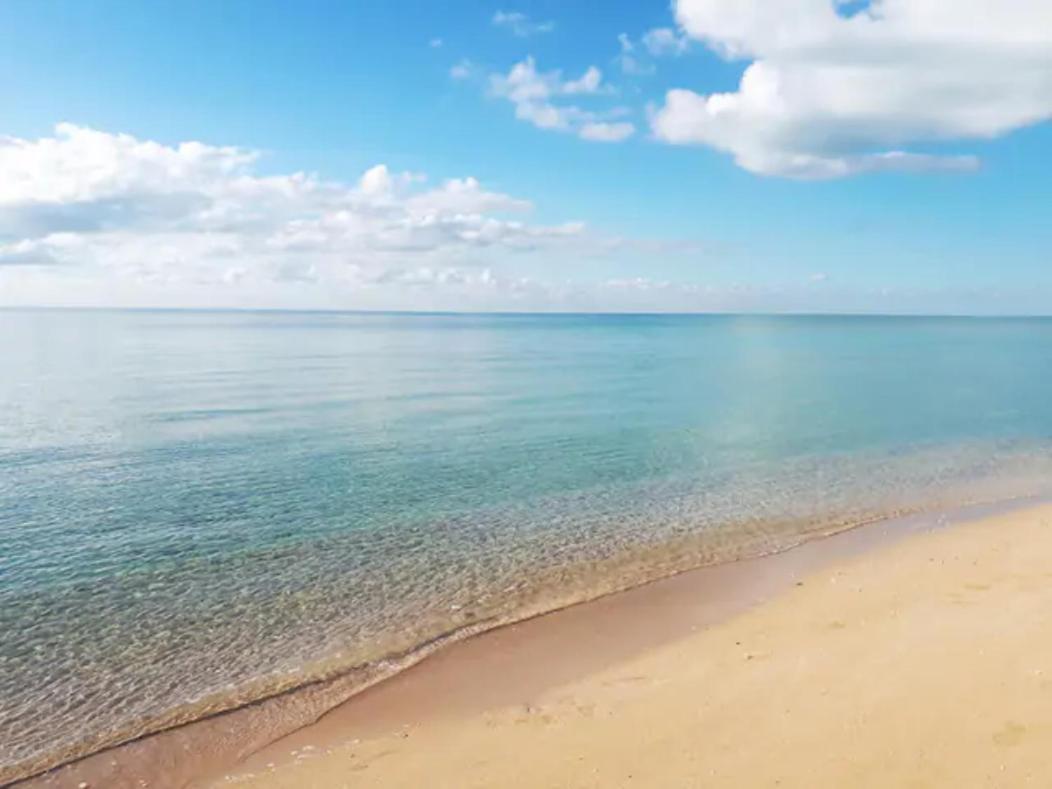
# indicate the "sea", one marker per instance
pixel 199 509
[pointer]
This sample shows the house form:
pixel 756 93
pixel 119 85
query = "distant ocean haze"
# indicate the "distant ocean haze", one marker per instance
pixel 198 509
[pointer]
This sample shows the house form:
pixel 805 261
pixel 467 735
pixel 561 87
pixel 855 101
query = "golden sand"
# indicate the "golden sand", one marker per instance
pixel 923 662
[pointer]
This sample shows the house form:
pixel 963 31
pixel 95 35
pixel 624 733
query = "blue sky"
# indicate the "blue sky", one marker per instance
pixel 812 191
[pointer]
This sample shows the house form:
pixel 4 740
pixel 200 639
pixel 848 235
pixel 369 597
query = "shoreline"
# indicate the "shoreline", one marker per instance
pixel 917 656
pixel 702 597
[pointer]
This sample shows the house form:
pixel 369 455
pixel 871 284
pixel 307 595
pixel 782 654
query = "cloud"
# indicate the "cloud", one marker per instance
pixel 634 57
pixel 538 98
pixel 589 82
pixel 31 252
pixel 628 59
pixel 129 209
pixel 606 132
pixel 833 90
pixel 520 24
pixel 435 43
pixel 665 41
pixel 464 69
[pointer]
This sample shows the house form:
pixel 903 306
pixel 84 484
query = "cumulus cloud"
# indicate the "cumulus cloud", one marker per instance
pixel 138 209
pixel 832 89
pixel 539 98
pixel 520 24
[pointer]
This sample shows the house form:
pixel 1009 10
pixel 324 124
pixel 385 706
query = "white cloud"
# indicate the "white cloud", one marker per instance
pixel 462 70
pixel 462 197
pixel 627 58
pixel 665 41
pixel 634 58
pixel 537 99
pixel 435 43
pixel 114 208
pixel 520 24
pixel 376 180
pixel 32 251
pixel 589 82
pixel 606 132
pixel 829 94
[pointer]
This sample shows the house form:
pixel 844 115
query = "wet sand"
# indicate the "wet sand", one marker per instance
pixel 860 660
pixel 897 653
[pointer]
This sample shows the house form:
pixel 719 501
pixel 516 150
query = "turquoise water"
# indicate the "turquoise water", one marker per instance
pixel 202 508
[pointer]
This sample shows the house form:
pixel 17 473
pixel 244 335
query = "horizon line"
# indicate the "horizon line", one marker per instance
pixel 534 313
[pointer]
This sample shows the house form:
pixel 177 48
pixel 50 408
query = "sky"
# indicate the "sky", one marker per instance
pixel 889 156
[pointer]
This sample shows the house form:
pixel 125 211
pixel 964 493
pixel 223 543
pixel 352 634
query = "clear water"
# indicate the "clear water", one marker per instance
pixel 202 508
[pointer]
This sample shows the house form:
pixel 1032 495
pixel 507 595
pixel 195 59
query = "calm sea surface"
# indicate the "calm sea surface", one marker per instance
pixel 202 508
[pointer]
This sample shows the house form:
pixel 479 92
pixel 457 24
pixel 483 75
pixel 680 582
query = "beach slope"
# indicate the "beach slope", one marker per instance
pixel 923 662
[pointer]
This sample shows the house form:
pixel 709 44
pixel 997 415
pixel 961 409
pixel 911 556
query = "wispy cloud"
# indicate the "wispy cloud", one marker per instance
pixel 630 59
pixel 661 41
pixel 463 69
pixel 606 131
pixel 636 57
pixel 540 99
pixel 520 24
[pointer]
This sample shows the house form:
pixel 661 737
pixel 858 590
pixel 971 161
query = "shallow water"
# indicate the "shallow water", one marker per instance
pixel 202 508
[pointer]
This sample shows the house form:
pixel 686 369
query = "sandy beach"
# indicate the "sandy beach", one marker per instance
pixel 910 652
pixel 925 661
